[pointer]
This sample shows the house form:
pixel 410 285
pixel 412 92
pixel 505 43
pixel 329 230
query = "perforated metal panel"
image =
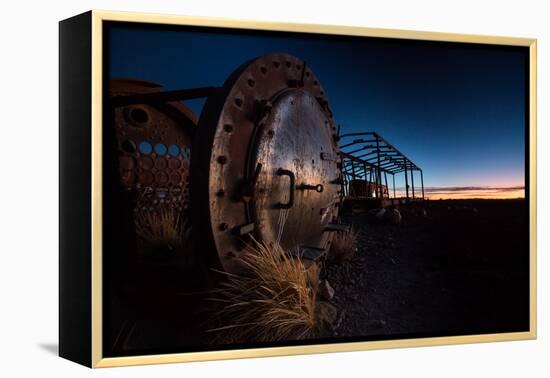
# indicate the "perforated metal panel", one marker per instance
pixel 154 148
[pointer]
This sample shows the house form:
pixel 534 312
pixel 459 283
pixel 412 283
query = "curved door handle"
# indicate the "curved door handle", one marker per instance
pixel 290 174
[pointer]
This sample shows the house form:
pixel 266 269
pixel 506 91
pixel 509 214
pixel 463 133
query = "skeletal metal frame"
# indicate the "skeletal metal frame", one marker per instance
pixel 372 157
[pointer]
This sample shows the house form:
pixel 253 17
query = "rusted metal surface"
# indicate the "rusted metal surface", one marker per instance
pixel 266 161
pixel 366 189
pixel 154 147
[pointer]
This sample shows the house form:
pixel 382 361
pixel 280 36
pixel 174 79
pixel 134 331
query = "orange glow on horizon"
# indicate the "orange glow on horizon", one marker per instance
pixel 489 193
pixel 471 192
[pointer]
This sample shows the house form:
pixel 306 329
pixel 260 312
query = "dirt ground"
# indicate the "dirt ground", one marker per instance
pixel 460 268
pixel 449 268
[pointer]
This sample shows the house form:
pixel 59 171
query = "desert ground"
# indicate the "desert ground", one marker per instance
pixel 450 267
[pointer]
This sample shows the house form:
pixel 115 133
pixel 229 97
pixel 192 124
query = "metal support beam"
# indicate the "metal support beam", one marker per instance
pixel 357 141
pixel 364 155
pixel 422 182
pixel 368 146
pixel 161 97
pixel 406 182
pixel 412 182
pixel 353 177
pixel 378 176
pixel 393 177
pixel 387 188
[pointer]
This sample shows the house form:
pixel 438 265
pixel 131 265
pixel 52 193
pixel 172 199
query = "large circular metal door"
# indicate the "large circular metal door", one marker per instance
pixel 266 161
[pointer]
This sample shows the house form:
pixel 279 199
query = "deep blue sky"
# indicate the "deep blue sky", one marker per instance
pixel 457 111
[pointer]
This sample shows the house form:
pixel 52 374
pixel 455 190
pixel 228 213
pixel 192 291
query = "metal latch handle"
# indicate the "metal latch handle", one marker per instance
pixel 318 188
pixel 290 174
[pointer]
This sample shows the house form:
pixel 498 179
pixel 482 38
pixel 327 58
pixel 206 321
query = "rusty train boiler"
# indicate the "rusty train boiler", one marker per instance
pixel 261 163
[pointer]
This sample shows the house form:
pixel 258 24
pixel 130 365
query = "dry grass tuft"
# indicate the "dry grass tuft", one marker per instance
pixel 164 228
pixel 343 247
pixel 273 300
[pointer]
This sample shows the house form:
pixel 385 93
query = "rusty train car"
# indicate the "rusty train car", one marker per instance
pixel 366 189
pixel 262 162
pixel 154 147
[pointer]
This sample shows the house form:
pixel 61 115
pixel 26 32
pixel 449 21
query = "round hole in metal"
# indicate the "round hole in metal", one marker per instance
pixel 161 178
pixel 175 163
pixel 174 150
pixel 136 116
pixel 161 149
pixel 145 148
pixel 128 146
pixel 146 163
pixel 161 163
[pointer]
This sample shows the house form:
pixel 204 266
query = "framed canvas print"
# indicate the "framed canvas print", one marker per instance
pixel 235 189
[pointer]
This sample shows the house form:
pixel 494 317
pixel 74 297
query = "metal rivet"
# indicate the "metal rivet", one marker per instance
pixel 288 64
pixel 228 128
pixel 220 193
pixel 270 133
pixel 276 64
pixel 263 70
pixel 251 82
pixel 238 102
pixel 222 159
pixel 223 226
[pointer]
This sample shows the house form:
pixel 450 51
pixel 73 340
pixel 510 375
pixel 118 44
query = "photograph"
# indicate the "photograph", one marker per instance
pixel 267 188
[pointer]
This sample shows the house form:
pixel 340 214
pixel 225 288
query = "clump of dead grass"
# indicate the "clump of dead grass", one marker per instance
pixel 273 299
pixel 165 229
pixel 343 247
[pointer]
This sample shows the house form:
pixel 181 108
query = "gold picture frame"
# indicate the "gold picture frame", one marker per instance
pixel 97 18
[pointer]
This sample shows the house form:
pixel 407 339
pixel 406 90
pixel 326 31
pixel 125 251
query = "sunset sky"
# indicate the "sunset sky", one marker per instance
pixel 457 111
